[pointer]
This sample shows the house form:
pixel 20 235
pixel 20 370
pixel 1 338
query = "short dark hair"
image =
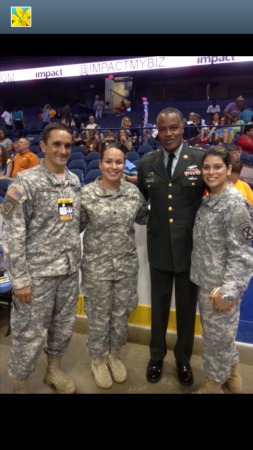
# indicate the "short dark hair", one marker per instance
pixel 53 126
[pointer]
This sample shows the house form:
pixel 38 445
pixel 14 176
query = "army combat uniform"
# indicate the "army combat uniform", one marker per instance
pixel 110 262
pixel 222 257
pixel 41 245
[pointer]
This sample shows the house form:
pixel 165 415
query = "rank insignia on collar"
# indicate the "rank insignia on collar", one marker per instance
pixel 185 156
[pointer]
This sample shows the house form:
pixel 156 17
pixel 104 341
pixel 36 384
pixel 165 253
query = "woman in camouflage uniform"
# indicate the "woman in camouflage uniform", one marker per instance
pixel 109 208
pixel 222 265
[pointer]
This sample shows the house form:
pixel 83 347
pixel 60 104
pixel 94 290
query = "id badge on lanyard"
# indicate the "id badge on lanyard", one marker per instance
pixel 65 209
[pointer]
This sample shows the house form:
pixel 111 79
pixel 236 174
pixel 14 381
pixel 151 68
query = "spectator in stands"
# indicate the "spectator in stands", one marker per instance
pixel 190 120
pixel 18 117
pixel 91 126
pixel 8 119
pixel 92 144
pixel 6 164
pixel 79 136
pixel 246 140
pixel 224 134
pixel 242 186
pixel 221 266
pixel 42 251
pixel 130 172
pixel 122 107
pixel 4 141
pixel 213 108
pixel 46 117
pixel 236 124
pixel 66 115
pixel 24 159
pixel 234 106
pixel 235 152
pixel 109 208
pixel 170 178
pixel 131 132
pixel 52 113
pixel 110 137
pixel 124 141
pixel 189 134
pixel 98 107
pixel 213 124
pixel 246 114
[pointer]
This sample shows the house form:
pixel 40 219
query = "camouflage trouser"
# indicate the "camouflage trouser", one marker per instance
pixel 108 305
pixel 219 333
pixel 52 310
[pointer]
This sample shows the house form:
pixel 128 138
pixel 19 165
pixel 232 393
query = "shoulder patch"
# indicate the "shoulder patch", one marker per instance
pixel 14 194
pixel 7 207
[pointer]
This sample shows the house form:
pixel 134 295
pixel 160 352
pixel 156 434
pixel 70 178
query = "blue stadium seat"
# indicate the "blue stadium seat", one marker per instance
pixel 91 156
pixel 79 173
pixel 132 156
pixel 77 164
pixel 92 175
pixel 94 164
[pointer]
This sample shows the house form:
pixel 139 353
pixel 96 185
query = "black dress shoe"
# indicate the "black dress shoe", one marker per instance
pixel 154 370
pixel 185 374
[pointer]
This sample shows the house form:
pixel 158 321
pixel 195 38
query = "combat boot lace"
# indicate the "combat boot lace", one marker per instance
pixel 210 387
pixel 21 386
pixel 101 373
pixel 234 382
pixel 117 367
pixel 55 377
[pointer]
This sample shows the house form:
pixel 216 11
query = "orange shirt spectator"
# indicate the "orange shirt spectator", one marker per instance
pixel 24 159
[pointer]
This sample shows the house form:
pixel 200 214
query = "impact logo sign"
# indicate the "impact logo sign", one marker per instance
pixel 21 16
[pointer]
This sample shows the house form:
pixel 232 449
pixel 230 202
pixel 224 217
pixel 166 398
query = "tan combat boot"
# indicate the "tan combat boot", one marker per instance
pixel 101 373
pixel 210 387
pixel 21 386
pixel 117 367
pixel 234 382
pixel 55 377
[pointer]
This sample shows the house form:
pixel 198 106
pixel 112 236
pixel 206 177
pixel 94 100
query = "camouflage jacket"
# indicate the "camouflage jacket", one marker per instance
pixel 222 253
pixel 35 241
pixel 109 248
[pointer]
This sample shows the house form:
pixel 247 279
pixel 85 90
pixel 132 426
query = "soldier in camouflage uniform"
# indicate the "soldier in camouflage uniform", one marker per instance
pixel 222 265
pixel 41 242
pixel 109 208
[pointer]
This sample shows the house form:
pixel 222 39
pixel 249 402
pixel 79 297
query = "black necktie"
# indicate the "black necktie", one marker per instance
pixel 169 165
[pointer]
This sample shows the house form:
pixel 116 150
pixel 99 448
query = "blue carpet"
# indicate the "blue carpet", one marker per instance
pixel 245 329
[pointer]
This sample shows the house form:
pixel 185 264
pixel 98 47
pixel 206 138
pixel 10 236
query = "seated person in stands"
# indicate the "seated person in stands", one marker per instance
pixel 24 159
pixel 130 172
pixel 110 137
pixel 242 186
pixel 6 164
pixel 131 132
pixel 213 108
pixel 79 136
pixel 92 144
pixel 4 141
pixel 236 123
pixel 190 133
pixel 246 140
pixel 91 126
pixel 124 141
pixel 224 134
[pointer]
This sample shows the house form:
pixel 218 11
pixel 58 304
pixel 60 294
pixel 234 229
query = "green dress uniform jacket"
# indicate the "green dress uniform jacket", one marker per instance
pixel 174 204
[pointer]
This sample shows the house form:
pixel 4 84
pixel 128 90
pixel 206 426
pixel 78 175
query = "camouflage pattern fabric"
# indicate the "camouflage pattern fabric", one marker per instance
pixel 108 304
pixel 219 333
pixel 53 308
pixel 222 254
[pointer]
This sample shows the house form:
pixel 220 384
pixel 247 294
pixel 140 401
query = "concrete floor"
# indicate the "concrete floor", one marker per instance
pixel 135 356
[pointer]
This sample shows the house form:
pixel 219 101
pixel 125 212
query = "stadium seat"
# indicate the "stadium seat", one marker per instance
pixel 92 175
